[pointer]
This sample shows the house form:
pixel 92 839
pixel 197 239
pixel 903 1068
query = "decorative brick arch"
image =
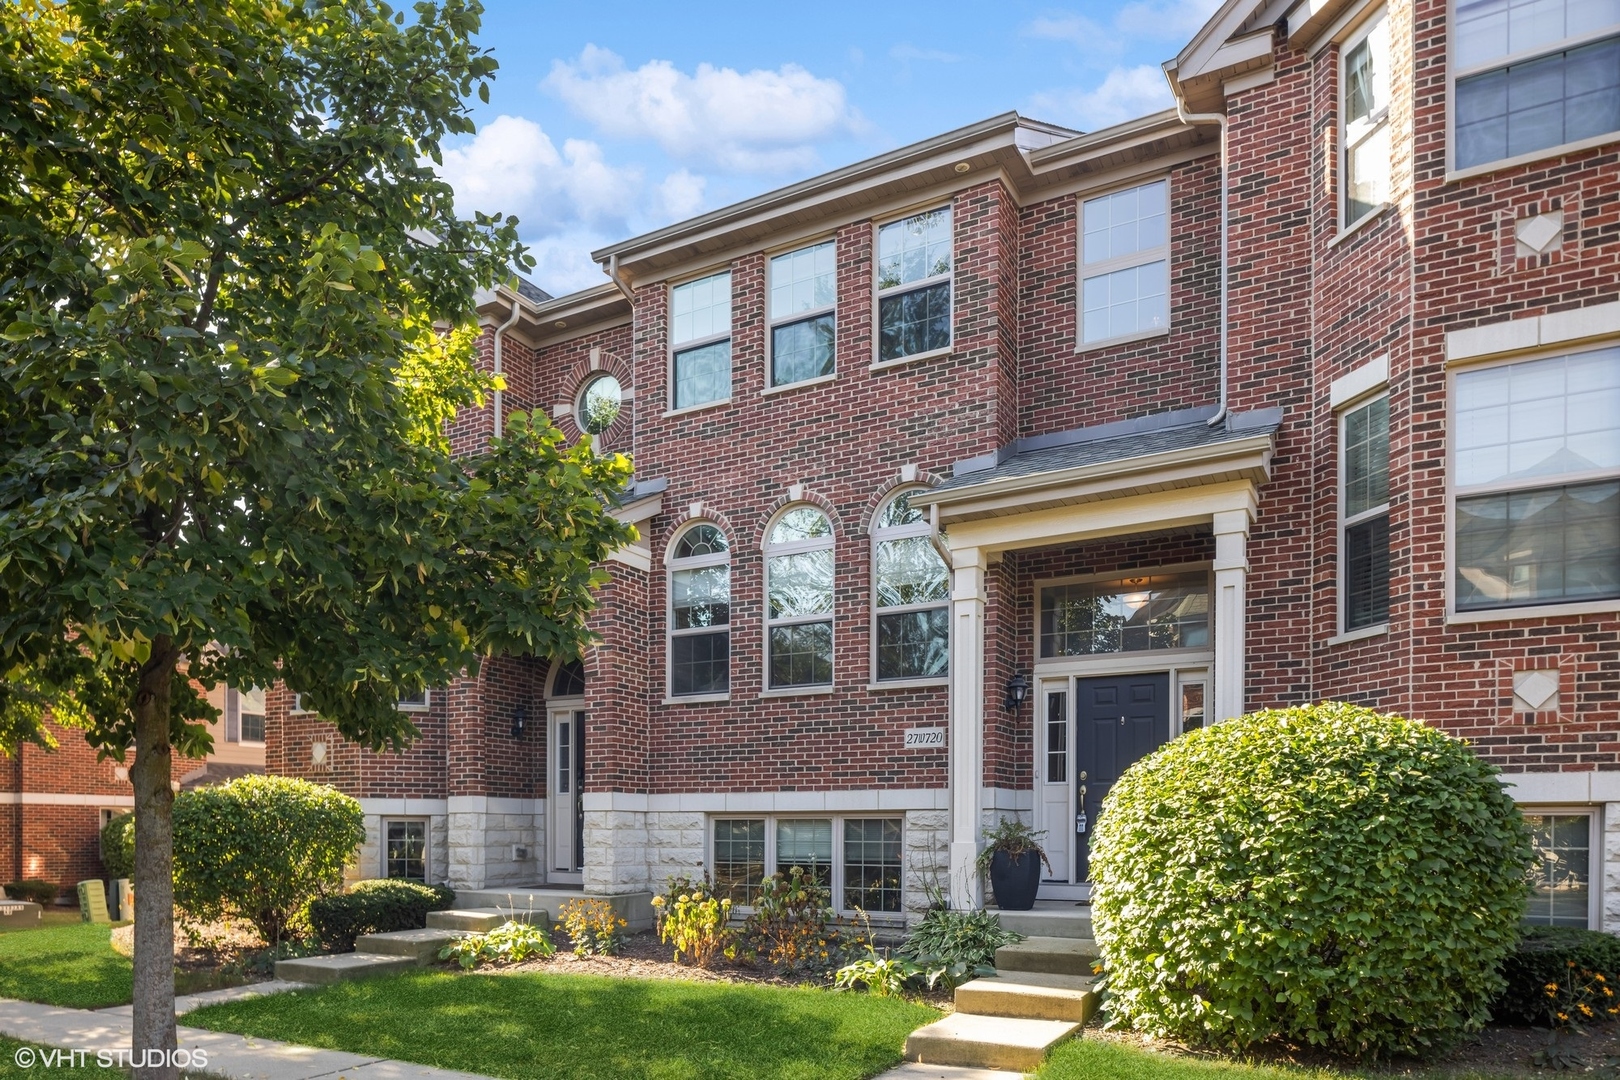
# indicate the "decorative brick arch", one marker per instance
pixel 582 372
pixel 923 478
pixel 704 513
pixel 804 498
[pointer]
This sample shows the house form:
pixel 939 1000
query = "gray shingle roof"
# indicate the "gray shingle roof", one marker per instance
pixel 1108 443
pixel 530 291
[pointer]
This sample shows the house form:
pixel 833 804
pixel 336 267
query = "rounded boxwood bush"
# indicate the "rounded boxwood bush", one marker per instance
pixel 1323 875
pixel 118 846
pixel 374 906
pixel 261 848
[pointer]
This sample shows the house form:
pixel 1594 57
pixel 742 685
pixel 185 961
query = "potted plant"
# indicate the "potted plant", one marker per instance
pixel 1012 857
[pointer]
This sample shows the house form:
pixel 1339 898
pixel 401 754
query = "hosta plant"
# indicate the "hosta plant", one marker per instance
pixel 509 943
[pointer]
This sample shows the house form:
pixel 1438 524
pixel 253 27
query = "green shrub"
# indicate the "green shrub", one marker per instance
pixel 1324 874
pixel 793 925
pixel 260 848
pixel 592 926
pixel 118 846
pixel 378 906
pixel 954 946
pixel 33 890
pixel 509 943
pixel 1549 956
pixel 695 921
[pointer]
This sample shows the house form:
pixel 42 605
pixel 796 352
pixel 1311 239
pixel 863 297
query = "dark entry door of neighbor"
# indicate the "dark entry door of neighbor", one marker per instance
pixel 1118 719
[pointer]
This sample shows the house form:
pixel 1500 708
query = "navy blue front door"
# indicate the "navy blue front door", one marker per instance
pixel 1118 719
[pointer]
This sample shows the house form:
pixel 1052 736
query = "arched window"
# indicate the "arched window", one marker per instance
pixel 799 599
pixel 568 679
pixel 910 595
pixel 700 612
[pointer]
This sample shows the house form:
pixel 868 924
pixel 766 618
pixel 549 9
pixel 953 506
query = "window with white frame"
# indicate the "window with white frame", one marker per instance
pixel 405 844
pixel 417 702
pixel 1364 136
pixel 700 612
pixel 568 680
pixel 910 595
pixel 799 599
pixel 244 715
pixel 1533 75
pixel 1150 612
pixel 700 341
pixel 1364 514
pixel 857 859
pixel 1561 872
pixel 1536 482
pixel 1125 260
pixel 914 285
pixel 804 296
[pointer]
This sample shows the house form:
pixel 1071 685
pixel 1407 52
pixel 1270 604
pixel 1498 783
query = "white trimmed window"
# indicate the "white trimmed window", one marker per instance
pixel 799 599
pixel 599 403
pixel 1533 75
pixel 405 848
pixel 700 341
pixel 804 299
pixel 1364 137
pixel 417 702
pixel 857 859
pixel 910 595
pixel 914 285
pixel 700 612
pixel 1536 482
pixel 1364 514
pixel 1125 259
pixel 244 715
pixel 1561 873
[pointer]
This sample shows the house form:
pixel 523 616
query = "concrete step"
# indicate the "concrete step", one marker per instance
pixel 1029 995
pixel 634 908
pixel 1048 956
pixel 1048 920
pixel 478 920
pixel 420 945
pixel 341 967
pixel 987 1042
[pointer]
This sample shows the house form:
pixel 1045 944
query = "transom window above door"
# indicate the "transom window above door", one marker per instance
pixel 1129 614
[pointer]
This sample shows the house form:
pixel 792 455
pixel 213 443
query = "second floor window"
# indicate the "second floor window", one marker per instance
pixel 804 293
pixel 1532 76
pixel 914 285
pixel 1537 482
pixel 1365 537
pixel 700 613
pixel 700 341
pixel 1364 137
pixel 911 595
pixel 244 715
pixel 1125 258
pixel 799 594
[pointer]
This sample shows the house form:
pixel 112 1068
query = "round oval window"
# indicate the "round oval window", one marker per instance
pixel 599 404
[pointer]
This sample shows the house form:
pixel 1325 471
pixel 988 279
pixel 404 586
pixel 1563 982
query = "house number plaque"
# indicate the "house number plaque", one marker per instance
pixel 925 738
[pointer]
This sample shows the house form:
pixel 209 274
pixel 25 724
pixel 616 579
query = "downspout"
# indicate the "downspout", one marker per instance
pixel 1220 119
pixel 500 332
pixel 613 271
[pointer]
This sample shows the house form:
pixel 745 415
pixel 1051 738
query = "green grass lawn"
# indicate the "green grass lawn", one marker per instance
pixel 586 1026
pixel 1098 1059
pixel 10 1070
pixel 72 965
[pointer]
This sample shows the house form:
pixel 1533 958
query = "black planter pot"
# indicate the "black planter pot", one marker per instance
pixel 1015 881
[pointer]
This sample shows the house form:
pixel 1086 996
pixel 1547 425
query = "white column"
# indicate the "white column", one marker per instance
pixel 1231 574
pixel 967 724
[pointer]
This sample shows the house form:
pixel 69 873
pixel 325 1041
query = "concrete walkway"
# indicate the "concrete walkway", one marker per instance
pixel 914 1070
pixel 235 1057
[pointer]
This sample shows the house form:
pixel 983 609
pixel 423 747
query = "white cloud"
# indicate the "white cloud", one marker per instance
pixel 1124 94
pixel 756 121
pixel 681 194
pixel 512 167
pixel 1175 20
pixel 1171 21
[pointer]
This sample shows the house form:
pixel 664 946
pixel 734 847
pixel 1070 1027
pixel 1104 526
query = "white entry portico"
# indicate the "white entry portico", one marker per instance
pixel 1148 476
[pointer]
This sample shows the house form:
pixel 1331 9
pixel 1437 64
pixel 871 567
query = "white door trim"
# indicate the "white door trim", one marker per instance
pixel 562 800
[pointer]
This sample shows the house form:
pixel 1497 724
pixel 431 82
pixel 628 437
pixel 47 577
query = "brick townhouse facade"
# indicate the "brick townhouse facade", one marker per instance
pixel 970 473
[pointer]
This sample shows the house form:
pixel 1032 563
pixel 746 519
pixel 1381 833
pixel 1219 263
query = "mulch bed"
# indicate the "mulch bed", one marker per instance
pixel 1494 1052
pixel 209 956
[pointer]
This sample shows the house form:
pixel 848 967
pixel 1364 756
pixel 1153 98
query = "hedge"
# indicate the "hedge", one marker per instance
pixel 378 906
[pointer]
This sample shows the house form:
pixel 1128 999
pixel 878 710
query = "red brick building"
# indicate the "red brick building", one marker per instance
pixel 969 473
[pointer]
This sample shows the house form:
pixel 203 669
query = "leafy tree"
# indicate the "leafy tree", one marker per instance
pixel 227 270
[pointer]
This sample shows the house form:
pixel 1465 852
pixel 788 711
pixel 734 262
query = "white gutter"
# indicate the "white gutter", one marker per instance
pixel 500 332
pixel 1220 119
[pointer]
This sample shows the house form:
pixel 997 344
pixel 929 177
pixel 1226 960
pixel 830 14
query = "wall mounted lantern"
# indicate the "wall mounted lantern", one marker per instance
pixel 520 721
pixel 1017 691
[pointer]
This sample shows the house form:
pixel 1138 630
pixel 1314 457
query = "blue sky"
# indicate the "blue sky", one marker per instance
pixel 607 120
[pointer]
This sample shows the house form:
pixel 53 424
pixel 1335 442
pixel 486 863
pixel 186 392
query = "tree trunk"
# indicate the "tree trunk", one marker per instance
pixel 153 1040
